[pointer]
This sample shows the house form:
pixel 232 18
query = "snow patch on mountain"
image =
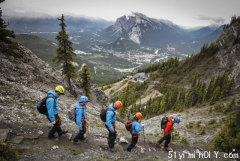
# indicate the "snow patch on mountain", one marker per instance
pixel 135 34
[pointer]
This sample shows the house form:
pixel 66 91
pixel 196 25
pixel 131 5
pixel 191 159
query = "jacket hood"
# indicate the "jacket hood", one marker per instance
pixel 77 105
pixel 53 94
pixel 111 107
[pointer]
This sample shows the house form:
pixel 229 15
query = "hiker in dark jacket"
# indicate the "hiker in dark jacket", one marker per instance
pixel 80 119
pixel 136 128
pixel 52 109
pixel 110 123
pixel 168 132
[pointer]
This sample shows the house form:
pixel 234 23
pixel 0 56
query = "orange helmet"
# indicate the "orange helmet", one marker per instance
pixel 138 115
pixel 119 104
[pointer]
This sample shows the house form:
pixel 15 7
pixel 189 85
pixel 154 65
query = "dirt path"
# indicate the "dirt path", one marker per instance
pixel 41 148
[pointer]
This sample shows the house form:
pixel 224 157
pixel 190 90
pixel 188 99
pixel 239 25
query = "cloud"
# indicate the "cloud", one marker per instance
pixel 213 19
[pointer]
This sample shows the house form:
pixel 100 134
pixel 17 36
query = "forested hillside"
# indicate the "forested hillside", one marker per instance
pixel 207 79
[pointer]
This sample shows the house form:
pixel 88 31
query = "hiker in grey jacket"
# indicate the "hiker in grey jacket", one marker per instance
pixel 80 118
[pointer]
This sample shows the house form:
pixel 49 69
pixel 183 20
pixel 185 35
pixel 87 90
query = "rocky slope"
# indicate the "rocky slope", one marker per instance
pixel 229 53
pixel 25 79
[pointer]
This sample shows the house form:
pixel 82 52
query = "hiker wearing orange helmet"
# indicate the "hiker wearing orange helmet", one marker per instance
pixel 136 128
pixel 110 123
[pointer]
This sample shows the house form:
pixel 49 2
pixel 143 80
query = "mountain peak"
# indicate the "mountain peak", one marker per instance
pixel 140 29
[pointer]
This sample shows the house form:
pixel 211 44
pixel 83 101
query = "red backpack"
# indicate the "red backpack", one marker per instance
pixel 128 125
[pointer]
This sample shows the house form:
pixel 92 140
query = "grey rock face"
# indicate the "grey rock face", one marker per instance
pixel 146 31
pixel 229 52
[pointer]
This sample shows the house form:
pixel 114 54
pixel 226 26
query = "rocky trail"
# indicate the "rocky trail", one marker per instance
pixel 34 145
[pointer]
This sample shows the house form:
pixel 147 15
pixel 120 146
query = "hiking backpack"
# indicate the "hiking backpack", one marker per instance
pixel 103 114
pixel 128 125
pixel 164 122
pixel 72 113
pixel 41 107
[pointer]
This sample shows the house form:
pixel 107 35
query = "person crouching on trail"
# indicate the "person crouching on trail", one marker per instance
pixel 167 132
pixel 136 128
pixel 80 119
pixel 52 109
pixel 110 123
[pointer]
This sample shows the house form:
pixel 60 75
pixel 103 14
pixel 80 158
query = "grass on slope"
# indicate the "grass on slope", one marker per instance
pixel 46 50
pixel 43 48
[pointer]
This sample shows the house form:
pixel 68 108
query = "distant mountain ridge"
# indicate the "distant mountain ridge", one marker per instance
pixel 153 32
pixel 203 31
pixel 146 31
pixel 137 27
pixel 51 24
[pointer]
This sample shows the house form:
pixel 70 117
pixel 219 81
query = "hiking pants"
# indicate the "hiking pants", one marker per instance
pixel 133 142
pixel 56 127
pixel 80 135
pixel 167 138
pixel 111 137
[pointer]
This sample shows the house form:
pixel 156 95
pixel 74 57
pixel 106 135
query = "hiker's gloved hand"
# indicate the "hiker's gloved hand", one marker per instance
pixel 142 124
pixel 114 131
pixel 54 122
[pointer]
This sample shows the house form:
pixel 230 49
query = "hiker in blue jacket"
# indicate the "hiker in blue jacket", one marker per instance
pixel 136 128
pixel 52 111
pixel 110 123
pixel 80 118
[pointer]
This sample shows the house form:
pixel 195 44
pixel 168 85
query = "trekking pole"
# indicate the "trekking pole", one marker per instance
pixel 143 136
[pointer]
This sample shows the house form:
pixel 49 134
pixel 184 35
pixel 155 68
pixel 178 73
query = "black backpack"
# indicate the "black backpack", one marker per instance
pixel 164 122
pixel 41 107
pixel 103 114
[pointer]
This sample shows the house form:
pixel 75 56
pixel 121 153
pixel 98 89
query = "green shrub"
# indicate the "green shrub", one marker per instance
pixel 74 151
pixel 184 141
pixel 210 110
pixel 199 123
pixel 202 131
pixel 7 152
pixel 211 122
pixel 175 136
pixel 223 141
pixel 101 124
pixel 190 125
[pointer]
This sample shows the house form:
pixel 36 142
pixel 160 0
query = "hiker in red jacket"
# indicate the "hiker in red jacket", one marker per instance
pixel 167 132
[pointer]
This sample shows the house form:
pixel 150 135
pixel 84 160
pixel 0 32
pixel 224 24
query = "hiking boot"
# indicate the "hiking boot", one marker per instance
pixel 158 145
pixel 113 150
pixel 129 149
pixel 76 142
pixel 63 132
pixel 52 136
pixel 60 131
pixel 167 149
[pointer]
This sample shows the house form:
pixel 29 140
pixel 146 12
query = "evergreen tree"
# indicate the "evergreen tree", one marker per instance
pixel 124 98
pixel 194 80
pixel 65 54
pixel 210 88
pixel 4 33
pixel 86 80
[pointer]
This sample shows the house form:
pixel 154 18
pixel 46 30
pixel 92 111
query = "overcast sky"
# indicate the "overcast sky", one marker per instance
pixel 189 13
